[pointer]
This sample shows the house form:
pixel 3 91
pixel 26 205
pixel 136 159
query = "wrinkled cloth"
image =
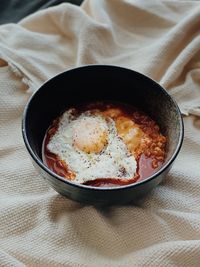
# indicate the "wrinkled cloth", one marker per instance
pixel 38 227
pixel 159 39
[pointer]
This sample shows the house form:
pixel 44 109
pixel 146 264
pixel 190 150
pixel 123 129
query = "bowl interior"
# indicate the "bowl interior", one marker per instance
pixel 100 83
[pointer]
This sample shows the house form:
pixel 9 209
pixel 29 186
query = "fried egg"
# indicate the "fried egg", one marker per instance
pixel 92 146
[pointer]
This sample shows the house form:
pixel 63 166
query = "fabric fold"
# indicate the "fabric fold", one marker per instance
pixel 159 39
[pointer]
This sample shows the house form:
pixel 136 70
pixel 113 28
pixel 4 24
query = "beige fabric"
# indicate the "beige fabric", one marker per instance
pixel 158 38
pixel 38 227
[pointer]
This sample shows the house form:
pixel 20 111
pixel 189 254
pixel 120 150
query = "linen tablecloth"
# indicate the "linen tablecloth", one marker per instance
pixel 38 227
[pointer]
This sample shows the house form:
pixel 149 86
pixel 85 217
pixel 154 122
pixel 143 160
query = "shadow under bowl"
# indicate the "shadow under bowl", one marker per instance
pixel 101 83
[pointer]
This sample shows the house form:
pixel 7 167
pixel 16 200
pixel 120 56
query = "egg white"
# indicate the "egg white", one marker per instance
pixel 114 161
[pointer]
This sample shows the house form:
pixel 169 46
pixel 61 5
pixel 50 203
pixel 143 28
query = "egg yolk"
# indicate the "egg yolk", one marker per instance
pixel 129 132
pixel 127 129
pixel 90 135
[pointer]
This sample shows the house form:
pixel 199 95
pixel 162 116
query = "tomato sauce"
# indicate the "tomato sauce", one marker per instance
pixel 149 156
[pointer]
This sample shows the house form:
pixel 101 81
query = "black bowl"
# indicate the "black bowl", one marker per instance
pixel 104 83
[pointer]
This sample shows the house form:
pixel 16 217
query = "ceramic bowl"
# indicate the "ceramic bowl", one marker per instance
pixel 99 83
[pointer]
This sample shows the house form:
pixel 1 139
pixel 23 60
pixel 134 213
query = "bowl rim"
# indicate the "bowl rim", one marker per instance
pixel 88 187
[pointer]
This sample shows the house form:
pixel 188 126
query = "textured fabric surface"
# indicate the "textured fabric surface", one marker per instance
pixel 38 227
pixel 158 38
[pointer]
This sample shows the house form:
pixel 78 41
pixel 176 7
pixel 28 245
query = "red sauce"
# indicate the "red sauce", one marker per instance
pixel 149 157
